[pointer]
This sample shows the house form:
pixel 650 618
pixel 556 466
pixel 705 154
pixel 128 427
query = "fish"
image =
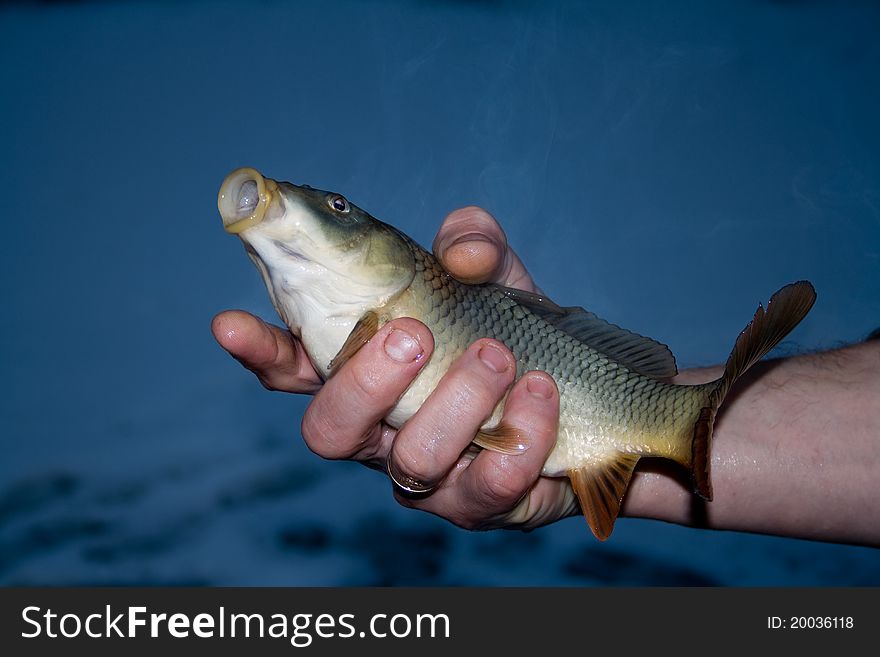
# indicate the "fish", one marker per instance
pixel 336 275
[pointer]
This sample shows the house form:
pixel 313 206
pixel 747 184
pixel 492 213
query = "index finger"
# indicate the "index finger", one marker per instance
pixel 472 247
pixel 272 353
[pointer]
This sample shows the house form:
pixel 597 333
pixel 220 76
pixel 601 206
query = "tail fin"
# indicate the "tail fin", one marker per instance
pixel 784 311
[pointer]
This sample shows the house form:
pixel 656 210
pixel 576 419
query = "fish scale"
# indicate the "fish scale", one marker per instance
pixel 336 274
pixel 602 403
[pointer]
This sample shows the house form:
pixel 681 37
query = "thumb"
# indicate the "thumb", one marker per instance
pixel 472 246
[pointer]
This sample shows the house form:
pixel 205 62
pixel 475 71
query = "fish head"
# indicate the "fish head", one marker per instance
pixel 325 261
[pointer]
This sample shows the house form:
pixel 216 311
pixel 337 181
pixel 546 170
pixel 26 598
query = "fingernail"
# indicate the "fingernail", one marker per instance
pixel 402 347
pixel 539 387
pixel 493 358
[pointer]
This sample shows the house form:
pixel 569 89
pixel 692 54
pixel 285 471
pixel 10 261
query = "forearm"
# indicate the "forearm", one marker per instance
pixel 796 452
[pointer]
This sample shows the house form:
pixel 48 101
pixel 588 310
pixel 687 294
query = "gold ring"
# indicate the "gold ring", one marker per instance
pixel 408 485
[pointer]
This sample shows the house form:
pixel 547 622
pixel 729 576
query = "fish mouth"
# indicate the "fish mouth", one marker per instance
pixel 244 198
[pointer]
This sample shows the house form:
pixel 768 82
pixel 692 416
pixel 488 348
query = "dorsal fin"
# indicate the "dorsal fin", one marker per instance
pixel 634 351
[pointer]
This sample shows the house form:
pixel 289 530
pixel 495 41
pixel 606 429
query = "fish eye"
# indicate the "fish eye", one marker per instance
pixel 338 203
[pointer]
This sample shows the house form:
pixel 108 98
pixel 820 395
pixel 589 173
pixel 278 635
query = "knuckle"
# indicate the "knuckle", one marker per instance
pixel 364 383
pixel 414 463
pixel 467 404
pixel 314 431
pixel 498 488
pixel 322 435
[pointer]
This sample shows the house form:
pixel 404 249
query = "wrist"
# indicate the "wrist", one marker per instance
pixel 794 453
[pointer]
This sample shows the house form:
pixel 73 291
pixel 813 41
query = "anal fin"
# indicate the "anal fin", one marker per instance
pixel 503 439
pixel 360 335
pixel 600 488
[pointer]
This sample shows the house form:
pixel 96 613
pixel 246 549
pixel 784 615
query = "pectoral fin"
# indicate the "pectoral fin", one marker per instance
pixel 503 439
pixel 360 335
pixel 600 488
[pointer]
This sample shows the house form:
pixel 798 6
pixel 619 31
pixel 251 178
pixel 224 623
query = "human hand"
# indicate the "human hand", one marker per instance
pixel 344 421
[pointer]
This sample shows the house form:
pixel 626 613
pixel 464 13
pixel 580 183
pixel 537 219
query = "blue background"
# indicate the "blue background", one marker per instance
pixel 667 165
